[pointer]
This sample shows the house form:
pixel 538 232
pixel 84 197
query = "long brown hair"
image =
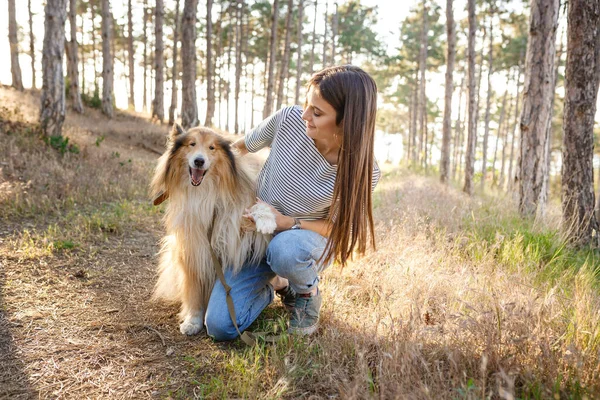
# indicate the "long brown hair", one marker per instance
pixel 353 94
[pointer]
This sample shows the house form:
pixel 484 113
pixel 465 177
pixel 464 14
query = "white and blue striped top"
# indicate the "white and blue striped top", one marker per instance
pixel 296 179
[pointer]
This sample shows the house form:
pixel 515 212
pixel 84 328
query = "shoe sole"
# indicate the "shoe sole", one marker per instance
pixel 309 330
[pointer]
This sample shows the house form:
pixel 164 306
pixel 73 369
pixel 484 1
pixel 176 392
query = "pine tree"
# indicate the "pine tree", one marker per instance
pixel 581 94
pixel 107 60
pixel 15 67
pixel 52 111
pixel 447 127
pixel 189 107
pixel 537 101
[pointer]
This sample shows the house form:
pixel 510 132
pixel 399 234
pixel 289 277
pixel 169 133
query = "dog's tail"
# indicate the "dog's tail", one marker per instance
pixel 170 278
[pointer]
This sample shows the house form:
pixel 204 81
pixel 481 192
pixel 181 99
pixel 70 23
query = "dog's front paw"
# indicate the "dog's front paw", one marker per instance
pixel 263 218
pixel 191 326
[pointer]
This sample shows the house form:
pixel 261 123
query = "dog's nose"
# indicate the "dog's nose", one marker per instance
pixel 199 162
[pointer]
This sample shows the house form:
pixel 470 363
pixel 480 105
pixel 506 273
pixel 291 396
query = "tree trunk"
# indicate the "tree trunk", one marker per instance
pixel 238 65
pixel 227 81
pixel 283 67
pixel 488 104
pixel 175 76
pixel 31 45
pixel 461 140
pixel 15 67
pixel 457 130
pixel 411 107
pixel 471 135
pixel 94 57
pixel 272 53
pixel 210 69
pixel 501 133
pixel 131 52
pixel 510 177
pixel 311 66
pixel 547 153
pixel 325 34
pixel 52 110
pixel 447 127
pixel 334 32
pixel 158 105
pixel 422 107
pixel 145 41
pixel 415 113
pixel 189 107
pixel 107 61
pixel 581 94
pixel 299 60
pixel 219 60
pixel 72 60
pixel 537 101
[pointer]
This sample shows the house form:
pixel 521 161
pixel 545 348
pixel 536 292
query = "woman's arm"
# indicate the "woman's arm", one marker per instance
pixel 320 226
pixel 283 222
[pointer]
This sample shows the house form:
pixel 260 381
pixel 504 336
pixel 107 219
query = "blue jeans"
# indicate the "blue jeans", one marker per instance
pixel 291 254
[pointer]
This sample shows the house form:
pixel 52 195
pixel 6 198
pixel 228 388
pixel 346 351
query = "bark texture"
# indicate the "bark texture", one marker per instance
pixel 472 122
pixel 158 104
pixel 73 60
pixel 283 67
pixel 537 101
pixel 581 93
pixel 272 52
pixel 15 67
pixel 131 52
pixel 52 110
pixel 31 46
pixel 175 77
pixel 447 126
pixel 210 68
pixel 422 107
pixel 299 60
pixel 189 107
pixel 488 104
pixel 107 61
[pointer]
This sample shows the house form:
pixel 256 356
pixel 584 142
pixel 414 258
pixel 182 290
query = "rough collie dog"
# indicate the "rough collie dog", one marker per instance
pixel 208 190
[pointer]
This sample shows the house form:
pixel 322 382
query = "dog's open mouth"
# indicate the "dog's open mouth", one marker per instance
pixel 196 176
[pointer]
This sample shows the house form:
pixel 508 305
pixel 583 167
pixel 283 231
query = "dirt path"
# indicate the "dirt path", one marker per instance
pixel 77 322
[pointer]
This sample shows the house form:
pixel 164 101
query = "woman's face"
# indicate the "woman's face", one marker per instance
pixel 320 117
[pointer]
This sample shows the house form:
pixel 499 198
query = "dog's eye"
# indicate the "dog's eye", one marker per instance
pixel 211 147
pixel 192 144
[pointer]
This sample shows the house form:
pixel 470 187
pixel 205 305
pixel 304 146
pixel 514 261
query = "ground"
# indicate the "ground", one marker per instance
pixel 462 299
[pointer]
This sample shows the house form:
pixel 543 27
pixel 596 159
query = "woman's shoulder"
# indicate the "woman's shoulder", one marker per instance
pixel 291 112
pixel 291 120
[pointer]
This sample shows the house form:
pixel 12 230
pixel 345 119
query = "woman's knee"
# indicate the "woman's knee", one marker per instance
pixel 219 325
pixel 290 251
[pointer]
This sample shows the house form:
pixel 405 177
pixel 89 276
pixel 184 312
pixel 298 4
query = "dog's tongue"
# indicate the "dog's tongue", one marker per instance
pixel 197 175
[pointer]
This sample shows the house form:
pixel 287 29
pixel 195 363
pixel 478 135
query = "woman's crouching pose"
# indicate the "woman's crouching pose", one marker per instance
pixel 318 179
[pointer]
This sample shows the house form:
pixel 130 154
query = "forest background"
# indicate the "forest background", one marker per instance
pixel 485 283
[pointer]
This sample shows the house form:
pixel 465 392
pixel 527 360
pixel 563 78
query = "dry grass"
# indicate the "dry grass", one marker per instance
pixel 462 299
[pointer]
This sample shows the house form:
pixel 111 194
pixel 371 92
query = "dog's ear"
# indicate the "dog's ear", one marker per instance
pixel 176 131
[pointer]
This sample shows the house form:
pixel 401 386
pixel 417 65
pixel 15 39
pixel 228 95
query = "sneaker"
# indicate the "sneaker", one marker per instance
pixel 288 297
pixel 305 317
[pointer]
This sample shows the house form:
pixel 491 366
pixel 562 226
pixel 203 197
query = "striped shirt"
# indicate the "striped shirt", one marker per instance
pixel 296 179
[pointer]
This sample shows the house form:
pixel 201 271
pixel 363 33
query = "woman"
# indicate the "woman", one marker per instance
pixel 318 178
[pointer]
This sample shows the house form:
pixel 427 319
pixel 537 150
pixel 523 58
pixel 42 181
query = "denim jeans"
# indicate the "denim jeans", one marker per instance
pixel 291 254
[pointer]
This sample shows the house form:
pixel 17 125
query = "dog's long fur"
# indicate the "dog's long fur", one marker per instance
pixel 186 271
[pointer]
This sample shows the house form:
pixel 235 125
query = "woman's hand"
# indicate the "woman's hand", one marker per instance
pixel 283 222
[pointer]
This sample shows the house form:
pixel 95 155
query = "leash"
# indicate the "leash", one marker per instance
pixel 249 338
